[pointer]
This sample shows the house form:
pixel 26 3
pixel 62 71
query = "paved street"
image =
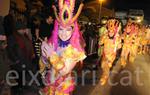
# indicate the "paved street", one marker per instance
pixel 134 79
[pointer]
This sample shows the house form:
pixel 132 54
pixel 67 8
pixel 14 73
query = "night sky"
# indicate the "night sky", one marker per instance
pixel 133 4
pixel 120 5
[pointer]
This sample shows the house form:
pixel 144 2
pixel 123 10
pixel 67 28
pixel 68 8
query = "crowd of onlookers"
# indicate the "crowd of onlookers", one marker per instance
pixel 21 34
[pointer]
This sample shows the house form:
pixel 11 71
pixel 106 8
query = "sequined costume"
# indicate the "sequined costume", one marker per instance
pixel 130 45
pixel 111 42
pixel 63 50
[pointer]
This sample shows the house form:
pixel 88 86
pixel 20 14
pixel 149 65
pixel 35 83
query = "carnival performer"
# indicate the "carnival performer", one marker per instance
pixel 63 50
pixel 148 39
pixel 144 40
pixel 131 43
pixel 102 32
pixel 111 42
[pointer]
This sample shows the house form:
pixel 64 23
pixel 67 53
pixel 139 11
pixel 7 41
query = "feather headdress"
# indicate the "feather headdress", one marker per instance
pixel 65 16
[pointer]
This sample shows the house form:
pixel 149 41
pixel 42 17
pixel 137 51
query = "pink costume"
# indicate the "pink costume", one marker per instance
pixel 63 50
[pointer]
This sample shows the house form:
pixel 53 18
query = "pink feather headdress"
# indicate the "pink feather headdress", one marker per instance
pixel 66 7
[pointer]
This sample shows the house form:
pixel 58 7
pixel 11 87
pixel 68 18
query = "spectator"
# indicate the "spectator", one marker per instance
pixel 4 64
pixel 20 51
pixel 46 27
pixel 9 23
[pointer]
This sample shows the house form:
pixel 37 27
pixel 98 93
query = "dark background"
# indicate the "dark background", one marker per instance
pixel 120 5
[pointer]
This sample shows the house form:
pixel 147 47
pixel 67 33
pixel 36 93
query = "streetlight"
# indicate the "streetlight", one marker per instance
pixel 101 2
